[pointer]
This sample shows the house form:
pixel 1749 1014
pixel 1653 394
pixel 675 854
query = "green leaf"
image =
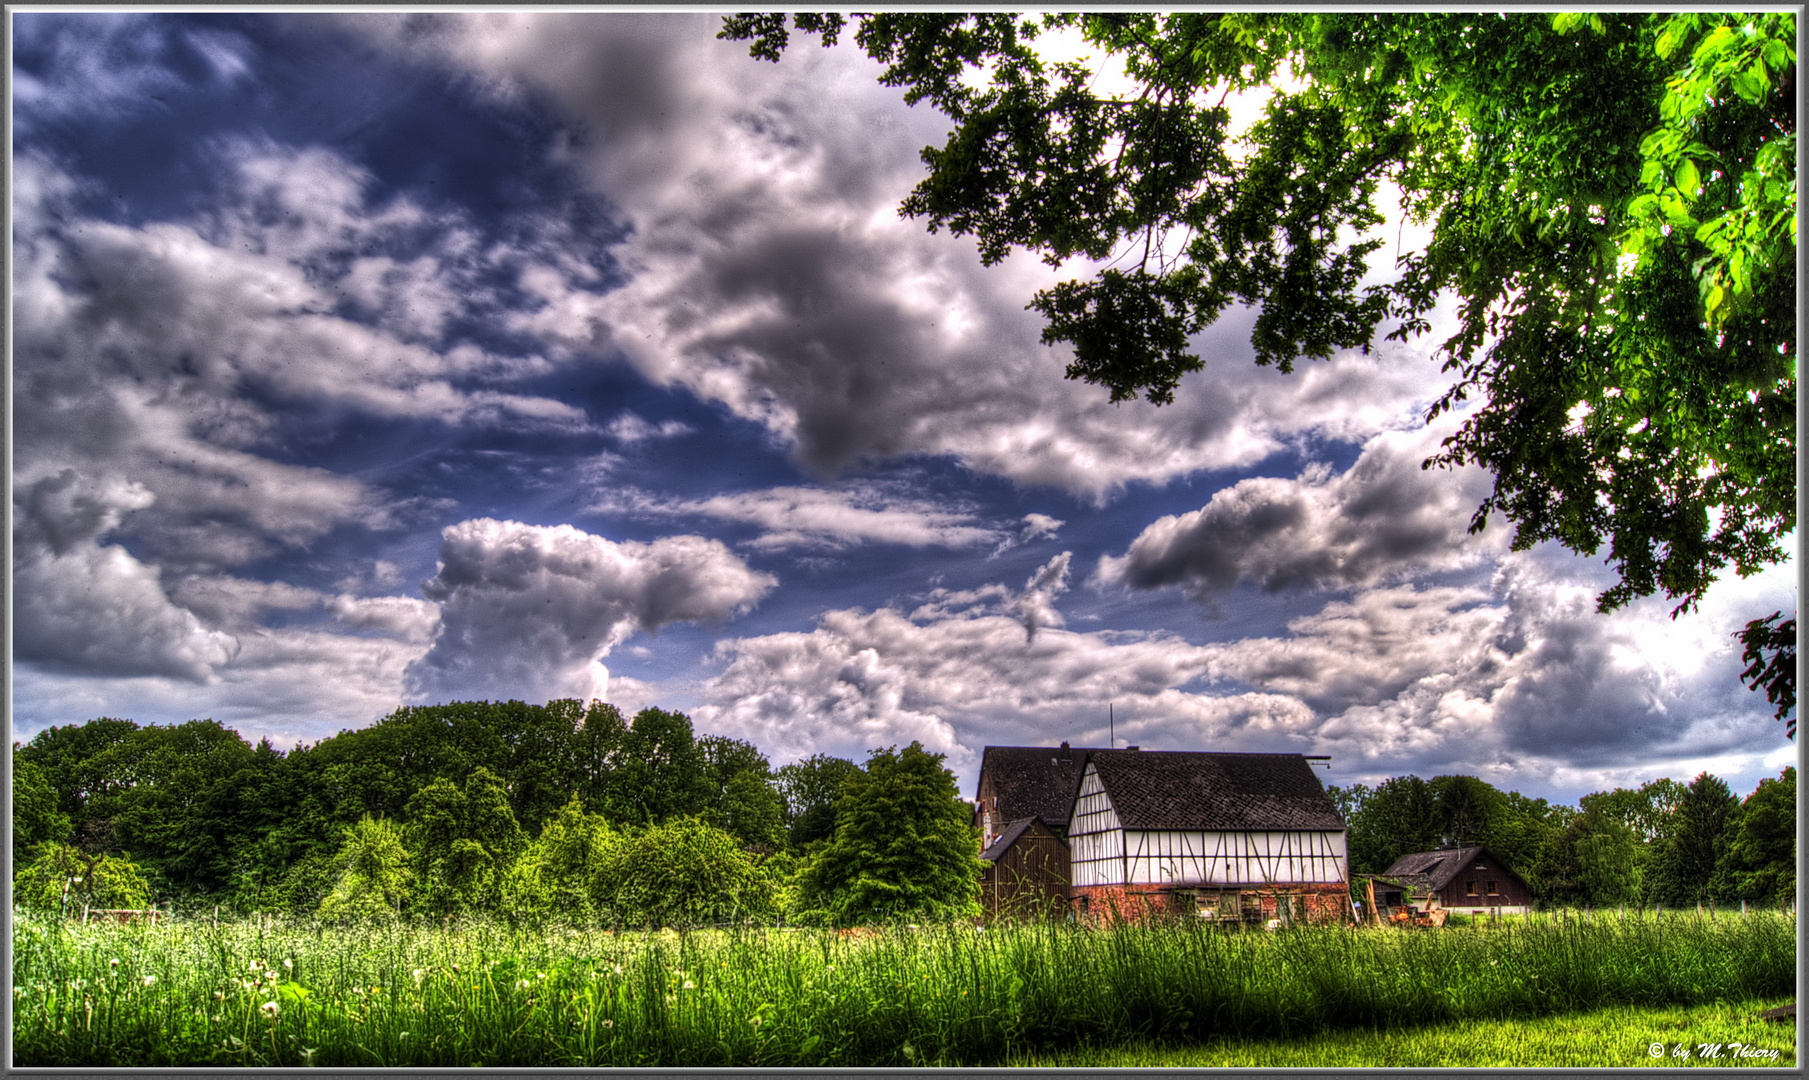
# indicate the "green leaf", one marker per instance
pixel 1688 181
pixel 1751 85
pixel 1677 28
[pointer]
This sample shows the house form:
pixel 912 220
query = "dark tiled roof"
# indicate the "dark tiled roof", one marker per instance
pixel 1166 789
pixel 1034 781
pixel 1439 866
pixel 1007 838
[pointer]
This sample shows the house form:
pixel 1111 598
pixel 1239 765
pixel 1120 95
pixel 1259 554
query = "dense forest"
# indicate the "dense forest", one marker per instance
pixel 572 811
pixel 504 808
pixel 1665 842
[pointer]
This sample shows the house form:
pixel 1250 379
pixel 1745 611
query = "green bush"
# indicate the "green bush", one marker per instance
pixel 684 873
pixel 552 879
pixel 374 875
pixel 91 881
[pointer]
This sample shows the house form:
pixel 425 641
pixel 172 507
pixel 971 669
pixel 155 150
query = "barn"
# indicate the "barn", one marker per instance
pixel 1026 872
pixel 1018 782
pixel 1222 836
pixel 1469 879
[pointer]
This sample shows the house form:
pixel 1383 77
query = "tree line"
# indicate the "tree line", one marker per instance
pixel 1664 842
pixel 561 810
pixel 567 810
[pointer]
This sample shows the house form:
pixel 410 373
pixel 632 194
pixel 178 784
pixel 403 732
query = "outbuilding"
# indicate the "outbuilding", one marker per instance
pixel 1466 879
pixel 1026 872
pixel 1018 782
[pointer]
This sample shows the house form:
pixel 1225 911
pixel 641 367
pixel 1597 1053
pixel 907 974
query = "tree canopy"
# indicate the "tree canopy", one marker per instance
pixel 905 845
pixel 1611 201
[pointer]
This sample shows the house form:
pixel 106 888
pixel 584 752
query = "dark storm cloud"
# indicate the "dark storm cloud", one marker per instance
pixel 768 271
pixel 1384 516
pixel 83 606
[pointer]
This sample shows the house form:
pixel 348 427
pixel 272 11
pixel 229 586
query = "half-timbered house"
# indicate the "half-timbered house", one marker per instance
pixel 1220 836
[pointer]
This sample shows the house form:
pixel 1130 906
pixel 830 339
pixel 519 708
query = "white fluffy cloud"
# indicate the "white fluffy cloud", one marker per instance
pixel 1514 682
pixel 768 269
pixel 527 611
pixel 1384 517
pixel 629 429
pixel 821 517
pixel 290 685
pixel 962 670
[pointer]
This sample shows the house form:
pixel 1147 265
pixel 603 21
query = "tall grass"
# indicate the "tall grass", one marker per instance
pixel 190 994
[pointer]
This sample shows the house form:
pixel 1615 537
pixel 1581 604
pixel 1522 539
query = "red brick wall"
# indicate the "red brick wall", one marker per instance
pixel 1138 903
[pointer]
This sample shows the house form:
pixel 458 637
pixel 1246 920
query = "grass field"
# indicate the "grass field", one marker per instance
pixel 249 993
pixel 1616 1037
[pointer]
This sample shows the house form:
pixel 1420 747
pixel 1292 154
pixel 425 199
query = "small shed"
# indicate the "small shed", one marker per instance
pixel 1026 872
pixel 1469 879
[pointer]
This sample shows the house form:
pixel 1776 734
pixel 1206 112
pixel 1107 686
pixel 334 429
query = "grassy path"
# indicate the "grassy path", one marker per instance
pixel 1619 1037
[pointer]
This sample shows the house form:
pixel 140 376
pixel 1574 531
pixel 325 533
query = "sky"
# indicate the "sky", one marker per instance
pixel 369 360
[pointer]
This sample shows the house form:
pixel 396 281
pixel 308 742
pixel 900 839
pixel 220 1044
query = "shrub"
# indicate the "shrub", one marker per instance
pixel 94 881
pixel 373 881
pixel 683 873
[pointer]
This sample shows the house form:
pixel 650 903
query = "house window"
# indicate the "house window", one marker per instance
pixel 1493 889
pixel 1469 888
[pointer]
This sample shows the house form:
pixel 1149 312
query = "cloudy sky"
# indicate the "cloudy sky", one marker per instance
pixel 371 360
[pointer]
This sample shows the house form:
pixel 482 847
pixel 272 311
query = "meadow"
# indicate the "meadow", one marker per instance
pixel 270 993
